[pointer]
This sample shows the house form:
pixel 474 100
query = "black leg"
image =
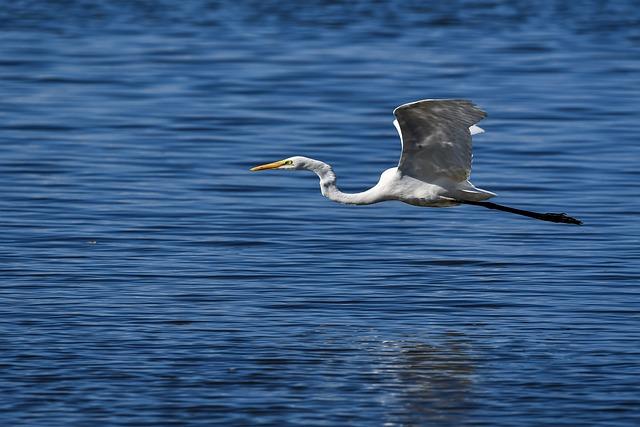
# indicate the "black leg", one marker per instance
pixel 552 217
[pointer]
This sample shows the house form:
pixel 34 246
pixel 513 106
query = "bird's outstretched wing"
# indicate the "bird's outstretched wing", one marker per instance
pixel 436 139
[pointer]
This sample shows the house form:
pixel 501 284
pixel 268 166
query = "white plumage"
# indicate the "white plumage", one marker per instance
pixel 434 166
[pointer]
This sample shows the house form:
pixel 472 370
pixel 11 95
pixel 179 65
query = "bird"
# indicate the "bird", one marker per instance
pixel 434 166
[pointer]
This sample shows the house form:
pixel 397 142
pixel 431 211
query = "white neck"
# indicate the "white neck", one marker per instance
pixel 330 190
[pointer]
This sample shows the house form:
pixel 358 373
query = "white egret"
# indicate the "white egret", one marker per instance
pixel 434 165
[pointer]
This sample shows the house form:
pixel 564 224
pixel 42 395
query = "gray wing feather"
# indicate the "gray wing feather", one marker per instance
pixel 436 141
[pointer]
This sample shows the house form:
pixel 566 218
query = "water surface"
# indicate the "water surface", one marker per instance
pixel 149 279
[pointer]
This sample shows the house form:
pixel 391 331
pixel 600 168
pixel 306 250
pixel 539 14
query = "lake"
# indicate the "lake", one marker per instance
pixel 148 278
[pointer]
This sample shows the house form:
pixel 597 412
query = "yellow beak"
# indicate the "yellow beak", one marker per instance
pixel 274 165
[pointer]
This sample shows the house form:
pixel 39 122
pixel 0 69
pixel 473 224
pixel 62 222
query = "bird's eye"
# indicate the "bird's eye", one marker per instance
pixel 288 162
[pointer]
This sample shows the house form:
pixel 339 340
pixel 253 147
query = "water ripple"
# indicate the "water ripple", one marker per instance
pixel 150 279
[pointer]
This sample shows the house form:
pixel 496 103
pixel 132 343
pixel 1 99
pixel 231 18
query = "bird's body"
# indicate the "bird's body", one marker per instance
pixel 434 166
pixel 394 185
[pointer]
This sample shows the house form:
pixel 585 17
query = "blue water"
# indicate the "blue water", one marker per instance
pixel 149 279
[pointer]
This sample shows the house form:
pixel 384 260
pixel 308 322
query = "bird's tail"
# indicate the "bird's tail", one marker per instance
pixel 467 191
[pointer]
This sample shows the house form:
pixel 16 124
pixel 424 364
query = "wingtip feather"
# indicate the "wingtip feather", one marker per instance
pixel 476 130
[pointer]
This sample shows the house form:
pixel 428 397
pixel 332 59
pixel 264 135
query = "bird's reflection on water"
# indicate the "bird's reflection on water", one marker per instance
pixel 433 383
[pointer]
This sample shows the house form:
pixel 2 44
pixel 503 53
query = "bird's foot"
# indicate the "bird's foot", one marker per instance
pixel 561 217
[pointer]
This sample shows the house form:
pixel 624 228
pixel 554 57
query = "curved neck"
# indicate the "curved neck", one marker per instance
pixel 330 190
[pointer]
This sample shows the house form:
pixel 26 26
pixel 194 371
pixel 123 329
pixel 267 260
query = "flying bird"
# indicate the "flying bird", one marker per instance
pixel 434 166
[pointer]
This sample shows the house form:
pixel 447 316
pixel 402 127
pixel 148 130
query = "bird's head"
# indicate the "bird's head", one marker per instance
pixel 291 163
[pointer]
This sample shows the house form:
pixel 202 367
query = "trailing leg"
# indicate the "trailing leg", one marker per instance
pixel 552 217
